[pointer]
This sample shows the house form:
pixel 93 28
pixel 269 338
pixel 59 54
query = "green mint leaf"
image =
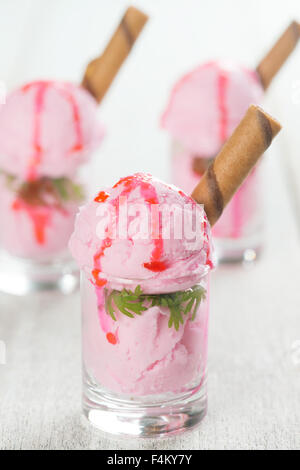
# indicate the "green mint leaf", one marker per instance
pixel 67 189
pixel 180 304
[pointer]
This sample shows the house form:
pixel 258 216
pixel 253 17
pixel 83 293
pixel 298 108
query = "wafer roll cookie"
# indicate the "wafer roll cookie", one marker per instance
pixel 102 70
pixel 249 141
pixel 274 60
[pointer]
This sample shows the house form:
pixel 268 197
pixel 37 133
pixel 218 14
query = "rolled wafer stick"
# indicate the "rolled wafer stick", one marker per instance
pixel 274 60
pixel 200 164
pixel 101 71
pixel 226 173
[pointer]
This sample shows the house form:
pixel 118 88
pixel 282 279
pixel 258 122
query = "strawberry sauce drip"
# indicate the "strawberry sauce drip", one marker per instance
pixel 102 196
pixel 111 338
pixel 207 244
pixel 39 216
pixel 41 87
pixel 37 147
pixel 155 264
pixel 106 322
pixel 150 196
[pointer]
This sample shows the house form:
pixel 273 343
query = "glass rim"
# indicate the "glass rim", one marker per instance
pixel 198 273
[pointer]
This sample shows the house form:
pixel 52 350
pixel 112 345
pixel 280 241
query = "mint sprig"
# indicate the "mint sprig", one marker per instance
pixel 63 189
pixel 126 301
pixel 67 189
pixel 181 304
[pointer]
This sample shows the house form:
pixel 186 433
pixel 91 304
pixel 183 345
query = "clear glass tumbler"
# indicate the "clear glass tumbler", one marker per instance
pixel 144 355
pixel 238 235
pixel 37 220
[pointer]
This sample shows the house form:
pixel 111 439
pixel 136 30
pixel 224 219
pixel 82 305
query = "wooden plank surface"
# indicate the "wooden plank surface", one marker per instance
pixel 254 352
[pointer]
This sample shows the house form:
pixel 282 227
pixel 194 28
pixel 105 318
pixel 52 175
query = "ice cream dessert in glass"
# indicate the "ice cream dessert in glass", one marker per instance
pixel 204 108
pixel 48 130
pixel 145 252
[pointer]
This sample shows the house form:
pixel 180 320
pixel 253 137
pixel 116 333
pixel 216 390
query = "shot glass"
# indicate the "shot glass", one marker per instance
pixel 145 354
pixel 37 222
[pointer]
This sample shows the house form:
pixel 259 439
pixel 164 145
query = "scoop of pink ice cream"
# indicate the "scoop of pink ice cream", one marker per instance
pixel 208 103
pixel 47 128
pixel 142 229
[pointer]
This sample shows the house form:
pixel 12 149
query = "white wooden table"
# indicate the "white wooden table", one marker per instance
pixel 254 348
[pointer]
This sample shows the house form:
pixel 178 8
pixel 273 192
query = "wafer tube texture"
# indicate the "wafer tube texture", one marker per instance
pixel 224 176
pixel 274 60
pixel 200 164
pixel 101 71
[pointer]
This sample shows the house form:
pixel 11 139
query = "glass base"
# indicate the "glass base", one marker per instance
pixel 229 250
pixel 161 416
pixel 21 276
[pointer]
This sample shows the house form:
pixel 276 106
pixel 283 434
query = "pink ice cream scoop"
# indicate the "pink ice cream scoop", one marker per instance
pixel 207 104
pixel 121 233
pixel 204 108
pixel 47 128
pixel 128 241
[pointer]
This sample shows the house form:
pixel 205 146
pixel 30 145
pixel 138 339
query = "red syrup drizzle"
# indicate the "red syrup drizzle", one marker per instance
pixel 207 244
pixel 150 196
pixel 78 146
pixel 40 217
pixel 41 88
pixel 102 196
pixel 111 338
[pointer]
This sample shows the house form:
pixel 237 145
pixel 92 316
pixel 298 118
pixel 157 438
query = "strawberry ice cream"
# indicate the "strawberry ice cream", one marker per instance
pixel 204 108
pixel 207 104
pixel 47 130
pixel 144 290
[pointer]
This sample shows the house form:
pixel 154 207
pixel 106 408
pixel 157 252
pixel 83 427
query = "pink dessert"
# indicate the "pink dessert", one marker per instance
pixel 47 130
pixel 204 108
pixel 145 290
